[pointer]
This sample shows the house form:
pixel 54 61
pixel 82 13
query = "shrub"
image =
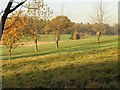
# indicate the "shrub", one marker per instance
pixel 75 35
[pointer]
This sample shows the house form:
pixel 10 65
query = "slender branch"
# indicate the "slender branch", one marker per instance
pixel 25 6
pixel 1 12
pixel 15 47
pixel 17 6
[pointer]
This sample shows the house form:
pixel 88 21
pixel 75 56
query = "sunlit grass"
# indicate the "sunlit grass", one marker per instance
pixel 77 64
pixel 64 70
pixel 65 46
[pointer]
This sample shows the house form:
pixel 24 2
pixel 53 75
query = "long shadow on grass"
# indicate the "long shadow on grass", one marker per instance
pixel 80 47
pixel 87 48
pixel 31 55
pixel 92 43
pixel 100 75
pixel 57 58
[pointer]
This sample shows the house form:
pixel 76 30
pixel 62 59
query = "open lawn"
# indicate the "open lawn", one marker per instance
pixel 77 63
pixel 47 38
pixel 67 45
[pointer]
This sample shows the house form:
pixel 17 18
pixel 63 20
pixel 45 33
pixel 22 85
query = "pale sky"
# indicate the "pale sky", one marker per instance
pixel 79 10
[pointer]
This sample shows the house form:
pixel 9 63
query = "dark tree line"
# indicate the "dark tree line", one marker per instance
pixel 90 29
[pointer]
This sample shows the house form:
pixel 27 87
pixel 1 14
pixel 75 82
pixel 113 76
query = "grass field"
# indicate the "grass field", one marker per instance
pixel 48 38
pixel 79 63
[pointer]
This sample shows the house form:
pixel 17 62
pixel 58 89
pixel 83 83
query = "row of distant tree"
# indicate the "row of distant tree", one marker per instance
pixel 90 29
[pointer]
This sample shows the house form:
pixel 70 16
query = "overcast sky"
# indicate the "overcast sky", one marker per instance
pixel 79 10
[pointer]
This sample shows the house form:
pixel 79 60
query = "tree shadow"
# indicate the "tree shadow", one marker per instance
pixel 80 47
pixel 92 43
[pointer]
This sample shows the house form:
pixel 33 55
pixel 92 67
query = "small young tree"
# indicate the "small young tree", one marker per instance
pixel 38 14
pixel 12 35
pixel 100 18
pixel 56 25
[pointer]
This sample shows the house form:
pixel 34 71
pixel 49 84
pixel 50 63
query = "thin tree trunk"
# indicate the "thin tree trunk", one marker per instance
pixel 10 53
pixel 10 56
pixel 98 36
pixel 57 41
pixel 57 44
pixel 99 39
pixel 36 46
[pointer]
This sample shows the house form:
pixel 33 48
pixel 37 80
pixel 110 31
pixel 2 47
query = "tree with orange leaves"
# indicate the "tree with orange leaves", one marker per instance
pixel 13 33
pixel 38 14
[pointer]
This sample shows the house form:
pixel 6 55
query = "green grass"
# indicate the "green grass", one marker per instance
pixel 76 64
pixel 47 38
pixel 65 46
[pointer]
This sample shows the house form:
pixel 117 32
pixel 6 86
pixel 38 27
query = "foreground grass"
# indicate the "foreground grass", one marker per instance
pixel 93 69
pixel 77 64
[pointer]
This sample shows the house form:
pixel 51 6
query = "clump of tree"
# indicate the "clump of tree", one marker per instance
pixel 13 34
pixel 111 30
pixel 91 29
pixel 75 35
pixel 57 25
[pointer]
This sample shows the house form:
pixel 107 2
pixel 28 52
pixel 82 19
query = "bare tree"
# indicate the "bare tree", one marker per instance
pixel 100 18
pixel 9 9
pixel 39 13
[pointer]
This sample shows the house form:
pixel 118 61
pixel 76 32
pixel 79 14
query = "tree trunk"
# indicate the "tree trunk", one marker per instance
pixel 0 30
pixel 57 44
pixel 98 35
pixel 99 39
pixel 36 46
pixel 10 53
pixel 2 24
pixel 57 41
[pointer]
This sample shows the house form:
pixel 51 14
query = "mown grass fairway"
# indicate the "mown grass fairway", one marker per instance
pixel 81 63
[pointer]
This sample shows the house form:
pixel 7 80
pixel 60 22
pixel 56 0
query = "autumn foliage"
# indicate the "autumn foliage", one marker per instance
pixel 13 33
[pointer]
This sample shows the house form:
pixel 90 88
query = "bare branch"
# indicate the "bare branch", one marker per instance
pixel 17 6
